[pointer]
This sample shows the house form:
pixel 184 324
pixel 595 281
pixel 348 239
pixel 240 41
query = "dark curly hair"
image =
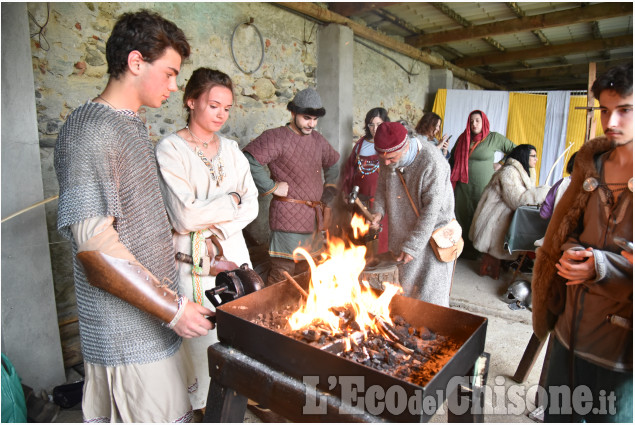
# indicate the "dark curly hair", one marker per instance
pixel 427 124
pixel 145 31
pixel 371 115
pixel 314 112
pixel 203 80
pixel 618 78
pixel 521 154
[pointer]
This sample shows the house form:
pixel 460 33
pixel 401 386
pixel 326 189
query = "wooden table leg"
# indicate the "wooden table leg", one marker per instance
pixel 545 369
pixel 467 402
pixel 529 358
pixel 272 389
pixel 224 405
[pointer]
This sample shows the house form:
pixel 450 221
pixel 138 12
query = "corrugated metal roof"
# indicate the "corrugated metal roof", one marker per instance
pixel 407 19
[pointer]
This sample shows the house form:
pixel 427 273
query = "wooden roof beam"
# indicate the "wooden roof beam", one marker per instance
pixel 519 12
pixel 527 23
pixel 324 15
pixel 573 71
pixel 577 84
pixel 450 13
pixel 350 9
pixel 395 20
pixel 547 51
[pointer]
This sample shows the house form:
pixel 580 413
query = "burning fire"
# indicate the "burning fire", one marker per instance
pixel 335 284
pixel 359 225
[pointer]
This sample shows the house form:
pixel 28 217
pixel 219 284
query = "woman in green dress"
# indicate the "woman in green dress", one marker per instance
pixel 472 162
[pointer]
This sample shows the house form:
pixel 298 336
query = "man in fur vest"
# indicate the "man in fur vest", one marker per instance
pixel 582 285
pixel 426 179
pixel 296 155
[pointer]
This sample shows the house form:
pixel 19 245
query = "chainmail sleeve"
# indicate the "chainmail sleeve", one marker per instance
pixel 85 162
pixel 106 166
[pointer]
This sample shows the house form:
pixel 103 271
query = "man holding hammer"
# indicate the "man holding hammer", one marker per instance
pixel 414 190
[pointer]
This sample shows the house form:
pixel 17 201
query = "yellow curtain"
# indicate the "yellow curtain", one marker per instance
pixel 576 126
pixel 439 104
pixel 526 121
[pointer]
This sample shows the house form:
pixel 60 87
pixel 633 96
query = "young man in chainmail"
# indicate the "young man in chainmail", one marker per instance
pixel 131 316
pixel 296 155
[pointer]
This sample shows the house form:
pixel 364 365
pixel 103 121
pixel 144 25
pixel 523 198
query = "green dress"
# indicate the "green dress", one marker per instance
pixel 480 171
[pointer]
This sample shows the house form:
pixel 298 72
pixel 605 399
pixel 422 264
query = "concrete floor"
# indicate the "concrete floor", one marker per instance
pixel 508 333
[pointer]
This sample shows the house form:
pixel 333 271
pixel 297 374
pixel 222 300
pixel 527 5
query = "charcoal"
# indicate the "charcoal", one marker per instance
pixel 354 326
pixel 414 354
pixel 402 332
pixel 399 321
pixel 425 333
pixel 421 347
pixel 311 335
pixel 390 358
pixel 360 357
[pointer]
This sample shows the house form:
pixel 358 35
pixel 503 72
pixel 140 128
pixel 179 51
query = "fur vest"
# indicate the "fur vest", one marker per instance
pixel 509 188
pixel 548 288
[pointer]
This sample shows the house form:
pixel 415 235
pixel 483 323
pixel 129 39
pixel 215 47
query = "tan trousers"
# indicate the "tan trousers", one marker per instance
pixel 142 393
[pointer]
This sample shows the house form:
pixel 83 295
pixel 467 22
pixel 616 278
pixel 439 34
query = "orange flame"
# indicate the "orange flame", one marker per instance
pixel 359 225
pixel 335 283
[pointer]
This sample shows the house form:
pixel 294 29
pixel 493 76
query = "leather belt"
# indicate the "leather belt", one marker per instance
pixel 317 205
pixel 312 204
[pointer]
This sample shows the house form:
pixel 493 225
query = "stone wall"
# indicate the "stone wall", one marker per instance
pixel 74 67
pixel 380 81
pixel 69 67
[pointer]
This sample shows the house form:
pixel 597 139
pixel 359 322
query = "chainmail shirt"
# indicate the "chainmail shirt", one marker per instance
pixel 106 166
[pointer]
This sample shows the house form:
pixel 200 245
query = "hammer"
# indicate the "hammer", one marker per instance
pixel 353 198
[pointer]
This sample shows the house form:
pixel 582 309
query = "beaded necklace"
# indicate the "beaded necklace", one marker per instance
pixel 367 167
pixel 215 166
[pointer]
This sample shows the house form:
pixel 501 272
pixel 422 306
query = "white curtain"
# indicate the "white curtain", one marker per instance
pixel 555 134
pixel 459 103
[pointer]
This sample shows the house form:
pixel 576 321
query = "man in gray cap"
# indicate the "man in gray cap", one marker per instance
pixel 296 155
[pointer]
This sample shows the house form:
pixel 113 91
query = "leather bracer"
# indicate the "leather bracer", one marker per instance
pixel 130 282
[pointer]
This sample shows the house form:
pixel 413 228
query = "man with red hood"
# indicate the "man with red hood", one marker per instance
pixel 472 161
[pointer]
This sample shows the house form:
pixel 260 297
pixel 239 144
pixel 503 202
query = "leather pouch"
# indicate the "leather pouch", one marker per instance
pixel 218 263
pixel 447 242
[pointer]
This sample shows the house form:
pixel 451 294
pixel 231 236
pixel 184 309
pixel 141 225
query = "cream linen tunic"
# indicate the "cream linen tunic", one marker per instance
pixel 194 202
pixel 143 393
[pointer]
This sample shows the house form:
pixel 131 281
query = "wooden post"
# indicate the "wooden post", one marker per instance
pixel 529 358
pixel 590 120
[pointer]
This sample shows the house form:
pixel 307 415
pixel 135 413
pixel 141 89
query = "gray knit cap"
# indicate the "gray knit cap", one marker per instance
pixel 308 102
